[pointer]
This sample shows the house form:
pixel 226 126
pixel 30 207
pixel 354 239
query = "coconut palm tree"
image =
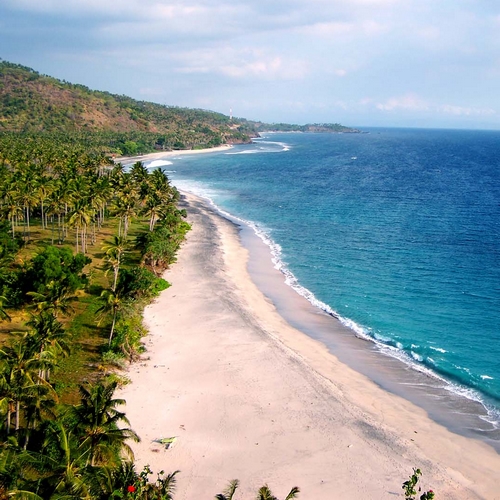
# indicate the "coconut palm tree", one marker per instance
pixel 61 465
pixel 19 368
pixel 26 189
pixel 48 339
pixel 139 172
pixel 114 253
pixel 43 190
pixel 99 425
pixel 55 298
pixel 15 212
pixel 266 494
pixel 126 208
pixel 80 219
pixel 114 304
pixel 229 491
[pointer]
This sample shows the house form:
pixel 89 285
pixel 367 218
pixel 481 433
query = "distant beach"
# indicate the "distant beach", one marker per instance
pixel 247 396
pixel 166 154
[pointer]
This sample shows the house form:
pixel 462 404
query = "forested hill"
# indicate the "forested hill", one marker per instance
pixel 34 103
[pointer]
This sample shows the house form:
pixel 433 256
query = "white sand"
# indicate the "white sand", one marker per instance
pixel 250 397
pixel 169 154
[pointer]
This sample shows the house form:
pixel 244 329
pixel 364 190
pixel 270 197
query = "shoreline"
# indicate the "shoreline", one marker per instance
pixel 169 154
pixel 220 389
pixel 461 414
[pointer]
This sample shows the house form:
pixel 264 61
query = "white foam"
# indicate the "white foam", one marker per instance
pixel 438 349
pixel 158 163
pixel 416 356
pixel 487 377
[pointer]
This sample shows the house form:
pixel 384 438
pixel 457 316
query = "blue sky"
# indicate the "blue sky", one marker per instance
pixel 420 63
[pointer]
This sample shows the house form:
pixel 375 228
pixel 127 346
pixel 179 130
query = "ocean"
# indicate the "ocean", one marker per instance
pixel 394 231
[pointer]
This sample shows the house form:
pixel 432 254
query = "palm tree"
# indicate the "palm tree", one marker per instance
pixel 125 208
pixel 18 375
pixel 27 197
pixel 266 494
pixel 139 172
pixel 56 298
pixel 48 339
pixel 112 303
pixel 57 204
pixel 43 191
pixel 114 252
pixel 14 210
pixel 153 209
pixel 97 425
pixel 61 465
pixel 80 218
pixel 229 491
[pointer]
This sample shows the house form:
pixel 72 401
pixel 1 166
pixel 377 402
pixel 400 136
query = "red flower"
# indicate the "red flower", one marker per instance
pixel 131 488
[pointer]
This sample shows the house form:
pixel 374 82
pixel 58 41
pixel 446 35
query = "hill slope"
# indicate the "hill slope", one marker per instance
pixel 35 103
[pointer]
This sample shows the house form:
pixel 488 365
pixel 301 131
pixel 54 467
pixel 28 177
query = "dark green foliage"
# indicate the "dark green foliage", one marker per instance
pixel 51 268
pixel 140 282
pixel 8 245
pixel 57 264
pixel 309 127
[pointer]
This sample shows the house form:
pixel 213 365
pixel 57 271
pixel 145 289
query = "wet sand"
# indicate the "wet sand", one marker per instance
pixel 248 396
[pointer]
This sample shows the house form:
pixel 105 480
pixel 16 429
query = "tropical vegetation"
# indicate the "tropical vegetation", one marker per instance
pixel 80 239
pixel 34 103
pixel 83 244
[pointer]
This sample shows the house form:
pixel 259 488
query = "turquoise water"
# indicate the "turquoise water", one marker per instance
pixel 396 231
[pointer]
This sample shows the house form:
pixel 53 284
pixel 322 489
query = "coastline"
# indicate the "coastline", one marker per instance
pixel 215 379
pixel 169 154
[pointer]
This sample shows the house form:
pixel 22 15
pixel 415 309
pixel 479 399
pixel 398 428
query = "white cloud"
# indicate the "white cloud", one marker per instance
pixel 466 111
pixel 408 102
pixel 240 64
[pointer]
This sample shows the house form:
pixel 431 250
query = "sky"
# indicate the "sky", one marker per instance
pixel 410 63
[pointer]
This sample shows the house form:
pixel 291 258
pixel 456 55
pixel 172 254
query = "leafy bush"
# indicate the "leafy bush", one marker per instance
pixel 139 282
pixel 56 264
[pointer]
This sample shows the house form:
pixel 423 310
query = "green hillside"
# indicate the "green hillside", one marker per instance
pixel 33 104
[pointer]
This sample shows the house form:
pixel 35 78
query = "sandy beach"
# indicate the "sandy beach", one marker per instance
pixel 167 154
pixel 248 396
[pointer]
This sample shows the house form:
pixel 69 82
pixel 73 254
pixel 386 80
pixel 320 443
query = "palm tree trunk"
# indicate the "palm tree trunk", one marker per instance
pixel 43 217
pixel 112 329
pixel 76 240
pixel 18 410
pixel 115 280
pixel 28 221
pixel 125 226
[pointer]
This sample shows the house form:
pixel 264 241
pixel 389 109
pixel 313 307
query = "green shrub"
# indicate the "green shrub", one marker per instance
pixel 139 282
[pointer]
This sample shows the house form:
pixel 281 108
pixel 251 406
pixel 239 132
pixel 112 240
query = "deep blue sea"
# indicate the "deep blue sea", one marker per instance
pixel 396 231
